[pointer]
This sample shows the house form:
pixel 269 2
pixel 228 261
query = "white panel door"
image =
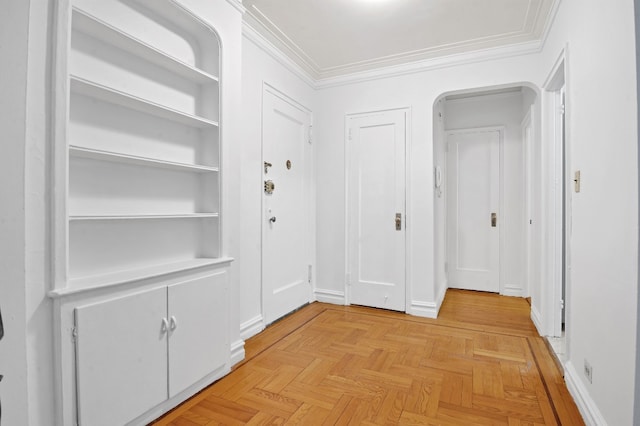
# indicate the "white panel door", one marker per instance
pixel 287 225
pixel 121 352
pixel 198 342
pixel 473 163
pixel 376 206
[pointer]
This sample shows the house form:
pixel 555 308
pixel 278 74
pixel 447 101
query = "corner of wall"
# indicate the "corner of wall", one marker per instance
pixel 330 296
pixel 588 408
pixel 237 352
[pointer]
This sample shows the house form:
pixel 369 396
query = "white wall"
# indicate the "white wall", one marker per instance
pixel 440 201
pixel 14 26
pixel 258 68
pixel 501 110
pixel 418 91
pixel 602 133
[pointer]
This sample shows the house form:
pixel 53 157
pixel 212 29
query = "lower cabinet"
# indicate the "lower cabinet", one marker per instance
pixel 135 352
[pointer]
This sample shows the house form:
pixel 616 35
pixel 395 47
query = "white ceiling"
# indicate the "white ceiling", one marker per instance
pixel 329 38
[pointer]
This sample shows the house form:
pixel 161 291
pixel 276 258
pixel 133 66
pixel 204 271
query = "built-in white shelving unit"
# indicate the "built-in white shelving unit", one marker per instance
pixel 143 195
pixel 141 289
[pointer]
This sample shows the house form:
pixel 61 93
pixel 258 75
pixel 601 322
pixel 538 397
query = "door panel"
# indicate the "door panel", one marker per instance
pixel 474 183
pixel 121 352
pixel 287 221
pixel 198 343
pixel 376 192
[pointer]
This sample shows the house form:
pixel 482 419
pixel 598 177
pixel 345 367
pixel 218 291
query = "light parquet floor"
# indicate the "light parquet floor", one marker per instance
pixel 480 363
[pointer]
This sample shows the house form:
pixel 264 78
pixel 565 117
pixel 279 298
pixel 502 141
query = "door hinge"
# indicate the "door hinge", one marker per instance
pixel 561 304
pixel 74 334
pixel 562 109
pixel 309 273
pixel 310 133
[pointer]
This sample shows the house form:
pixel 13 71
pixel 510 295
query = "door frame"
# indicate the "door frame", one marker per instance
pixel 557 192
pixel 311 199
pixel 501 209
pixel 407 200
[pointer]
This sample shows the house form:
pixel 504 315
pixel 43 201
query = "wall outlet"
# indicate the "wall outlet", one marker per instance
pixel 588 371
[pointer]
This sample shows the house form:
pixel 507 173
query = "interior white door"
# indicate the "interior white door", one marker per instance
pixel 376 206
pixel 473 163
pixel 287 224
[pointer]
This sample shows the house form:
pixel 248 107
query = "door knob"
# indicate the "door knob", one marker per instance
pixel 398 221
pixel 272 219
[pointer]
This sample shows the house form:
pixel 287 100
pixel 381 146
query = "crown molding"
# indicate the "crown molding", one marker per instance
pixel 433 64
pixel 553 12
pixel 269 48
pixel 237 4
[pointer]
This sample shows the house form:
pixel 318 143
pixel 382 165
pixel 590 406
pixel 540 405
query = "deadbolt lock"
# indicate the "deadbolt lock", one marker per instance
pixel 269 187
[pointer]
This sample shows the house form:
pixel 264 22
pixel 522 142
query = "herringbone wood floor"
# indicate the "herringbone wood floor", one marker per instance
pixel 480 363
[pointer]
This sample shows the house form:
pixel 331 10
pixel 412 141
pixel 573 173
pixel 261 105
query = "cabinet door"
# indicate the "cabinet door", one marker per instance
pixel 198 343
pixel 121 357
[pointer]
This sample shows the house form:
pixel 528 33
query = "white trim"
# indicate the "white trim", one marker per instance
pixel 431 64
pixel 424 309
pixel 276 54
pixel 587 407
pixel 237 352
pixel 252 327
pixel 237 4
pixel 537 320
pixel 512 290
pixel 330 296
pixel 553 12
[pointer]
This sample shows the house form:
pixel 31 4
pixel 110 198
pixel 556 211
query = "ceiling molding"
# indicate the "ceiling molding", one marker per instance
pixel 268 40
pixel 237 4
pixel 278 55
pixel 433 64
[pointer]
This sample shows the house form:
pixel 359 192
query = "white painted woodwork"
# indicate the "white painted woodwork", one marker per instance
pixel 143 141
pixel 473 163
pixel 376 145
pixel 286 244
pixel 138 175
pixel 121 357
pixel 198 341
pixel 420 30
pixel 528 142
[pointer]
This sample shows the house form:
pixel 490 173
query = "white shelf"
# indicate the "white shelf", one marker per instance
pixel 85 284
pixel 97 91
pixel 96 154
pixel 146 217
pixel 96 28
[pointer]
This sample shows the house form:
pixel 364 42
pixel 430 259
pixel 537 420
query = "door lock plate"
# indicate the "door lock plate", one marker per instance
pixel 269 187
pixel 398 221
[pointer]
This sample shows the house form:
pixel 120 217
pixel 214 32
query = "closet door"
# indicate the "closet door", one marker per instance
pixel 121 350
pixel 198 341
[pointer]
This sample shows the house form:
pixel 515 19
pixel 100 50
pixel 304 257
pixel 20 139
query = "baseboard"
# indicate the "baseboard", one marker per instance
pixel 588 408
pixel 537 320
pixel 512 291
pixel 251 327
pixel 330 296
pixel 237 351
pixel 423 309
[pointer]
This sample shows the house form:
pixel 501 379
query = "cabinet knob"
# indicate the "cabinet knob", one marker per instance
pixel 174 323
pixel 165 326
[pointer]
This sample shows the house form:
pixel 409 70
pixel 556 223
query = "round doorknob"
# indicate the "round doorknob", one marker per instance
pixel 272 219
